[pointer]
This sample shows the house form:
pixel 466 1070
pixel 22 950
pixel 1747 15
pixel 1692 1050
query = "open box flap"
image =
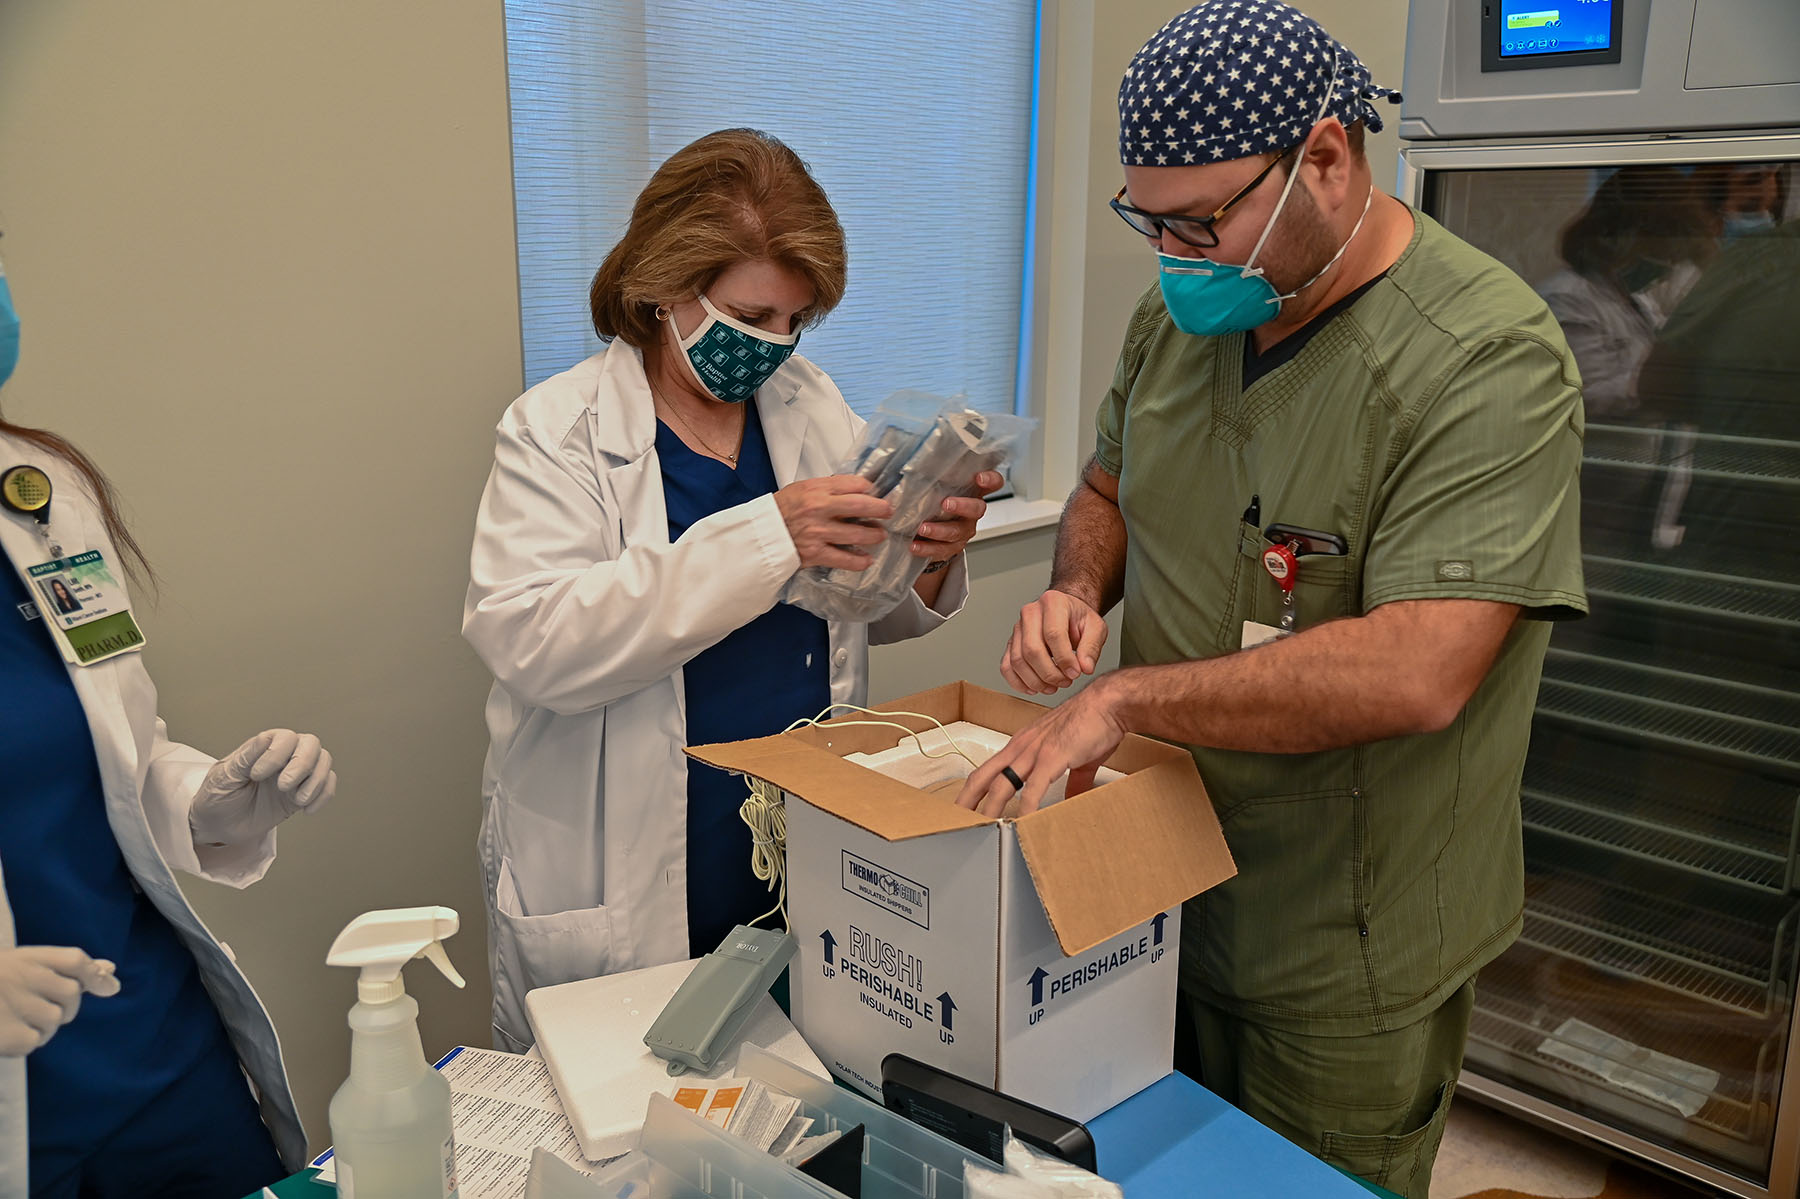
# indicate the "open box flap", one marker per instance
pixel 1107 861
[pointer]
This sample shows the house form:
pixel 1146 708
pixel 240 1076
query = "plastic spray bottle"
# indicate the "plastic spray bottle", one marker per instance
pixel 390 1121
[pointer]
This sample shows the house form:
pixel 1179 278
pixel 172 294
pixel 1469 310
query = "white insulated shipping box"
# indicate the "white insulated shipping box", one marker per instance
pixel 1034 955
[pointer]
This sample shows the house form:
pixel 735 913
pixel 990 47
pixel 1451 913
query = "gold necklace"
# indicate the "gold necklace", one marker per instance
pixel 704 444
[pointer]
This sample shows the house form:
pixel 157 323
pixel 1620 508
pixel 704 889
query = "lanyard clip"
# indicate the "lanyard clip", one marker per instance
pixel 26 490
pixel 1283 565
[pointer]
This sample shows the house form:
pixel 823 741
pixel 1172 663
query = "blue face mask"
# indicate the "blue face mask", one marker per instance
pixel 9 330
pixel 1744 224
pixel 729 358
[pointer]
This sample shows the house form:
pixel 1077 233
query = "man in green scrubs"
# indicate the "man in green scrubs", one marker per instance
pixel 1410 402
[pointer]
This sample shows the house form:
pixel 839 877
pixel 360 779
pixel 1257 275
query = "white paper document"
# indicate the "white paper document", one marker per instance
pixel 762 1117
pixel 803 1149
pixel 749 1109
pixel 502 1106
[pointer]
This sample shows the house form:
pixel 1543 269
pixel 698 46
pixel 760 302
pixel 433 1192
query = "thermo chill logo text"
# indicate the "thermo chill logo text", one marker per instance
pixel 903 896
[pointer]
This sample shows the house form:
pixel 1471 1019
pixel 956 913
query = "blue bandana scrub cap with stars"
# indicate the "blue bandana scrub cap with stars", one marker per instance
pixel 1234 78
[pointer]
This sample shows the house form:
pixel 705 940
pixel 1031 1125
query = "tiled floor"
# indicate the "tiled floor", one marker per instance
pixel 1487 1155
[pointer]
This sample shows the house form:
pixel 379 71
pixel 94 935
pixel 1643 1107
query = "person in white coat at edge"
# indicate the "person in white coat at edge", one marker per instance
pixel 641 518
pixel 168 1081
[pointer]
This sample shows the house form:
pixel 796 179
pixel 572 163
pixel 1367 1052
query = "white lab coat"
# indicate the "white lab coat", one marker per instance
pixel 149 782
pixel 585 612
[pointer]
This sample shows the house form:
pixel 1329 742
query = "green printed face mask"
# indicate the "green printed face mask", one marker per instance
pixel 731 359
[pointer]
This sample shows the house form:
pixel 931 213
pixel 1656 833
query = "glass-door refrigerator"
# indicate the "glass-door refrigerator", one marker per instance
pixel 1641 170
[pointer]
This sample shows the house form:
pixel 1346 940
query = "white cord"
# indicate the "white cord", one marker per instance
pixel 764 810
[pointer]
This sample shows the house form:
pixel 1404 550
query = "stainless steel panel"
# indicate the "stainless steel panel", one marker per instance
pixel 1743 43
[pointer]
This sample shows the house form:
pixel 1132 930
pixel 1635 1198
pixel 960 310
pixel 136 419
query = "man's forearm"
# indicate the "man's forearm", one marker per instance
pixel 1342 683
pixel 1090 549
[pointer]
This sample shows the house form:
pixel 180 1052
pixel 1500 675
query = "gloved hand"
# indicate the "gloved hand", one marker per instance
pixel 40 991
pixel 270 777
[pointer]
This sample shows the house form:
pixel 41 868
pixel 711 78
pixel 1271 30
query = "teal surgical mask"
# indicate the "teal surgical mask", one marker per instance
pixel 1207 298
pixel 729 358
pixel 9 329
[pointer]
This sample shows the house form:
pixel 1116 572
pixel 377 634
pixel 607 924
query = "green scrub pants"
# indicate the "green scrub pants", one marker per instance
pixel 1371 1105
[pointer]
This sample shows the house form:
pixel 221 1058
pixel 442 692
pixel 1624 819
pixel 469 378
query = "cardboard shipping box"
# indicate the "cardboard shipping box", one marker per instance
pixel 1036 956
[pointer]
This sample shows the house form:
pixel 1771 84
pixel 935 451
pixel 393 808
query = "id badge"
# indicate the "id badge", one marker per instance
pixel 85 608
pixel 1260 634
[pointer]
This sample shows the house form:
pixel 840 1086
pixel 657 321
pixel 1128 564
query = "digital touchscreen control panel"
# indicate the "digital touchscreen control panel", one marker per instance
pixel 1535 34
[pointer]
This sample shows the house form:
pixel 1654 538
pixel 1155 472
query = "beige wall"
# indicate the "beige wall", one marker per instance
pixel 264 256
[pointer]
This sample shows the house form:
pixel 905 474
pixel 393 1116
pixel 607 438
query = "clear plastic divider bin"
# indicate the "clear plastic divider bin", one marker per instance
pixel 696 1158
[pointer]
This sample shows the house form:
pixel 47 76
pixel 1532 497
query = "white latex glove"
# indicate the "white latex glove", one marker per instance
pixel 40 991
pixel 270 777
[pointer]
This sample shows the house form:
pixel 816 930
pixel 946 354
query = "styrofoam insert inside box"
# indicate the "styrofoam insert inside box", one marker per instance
pixel 930 762
pixel 1036 955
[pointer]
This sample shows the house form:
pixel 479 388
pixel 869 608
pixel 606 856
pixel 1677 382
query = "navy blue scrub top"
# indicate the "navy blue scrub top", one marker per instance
pixel 762 677
pixel 67 883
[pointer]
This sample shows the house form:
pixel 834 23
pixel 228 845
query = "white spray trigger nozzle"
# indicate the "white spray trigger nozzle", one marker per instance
pixel 434 953
pixel 381 943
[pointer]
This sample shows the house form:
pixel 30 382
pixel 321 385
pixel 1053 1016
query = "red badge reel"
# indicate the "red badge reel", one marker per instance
pixel 1283 565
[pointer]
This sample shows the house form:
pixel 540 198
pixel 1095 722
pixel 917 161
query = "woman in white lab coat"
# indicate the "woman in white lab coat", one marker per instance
pixel 644 511
pixel 140 1087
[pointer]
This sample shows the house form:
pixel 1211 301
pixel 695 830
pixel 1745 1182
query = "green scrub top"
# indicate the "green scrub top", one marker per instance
pixel 1436 425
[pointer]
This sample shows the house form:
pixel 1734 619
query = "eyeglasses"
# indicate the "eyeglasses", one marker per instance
pixel 1194 230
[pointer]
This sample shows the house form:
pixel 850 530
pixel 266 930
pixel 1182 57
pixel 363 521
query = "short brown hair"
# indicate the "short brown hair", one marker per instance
pixel 732 196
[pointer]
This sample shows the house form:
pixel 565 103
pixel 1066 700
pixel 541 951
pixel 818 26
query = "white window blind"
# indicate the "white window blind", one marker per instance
pixel 916 119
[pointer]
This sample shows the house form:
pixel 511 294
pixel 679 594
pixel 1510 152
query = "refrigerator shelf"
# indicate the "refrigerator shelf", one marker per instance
pixel 1740 960
pixel 1653 832
pixel 1718 456
pixel 1772 706
pixel 1732 826
pixel 1754 725
pixel 1686 590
